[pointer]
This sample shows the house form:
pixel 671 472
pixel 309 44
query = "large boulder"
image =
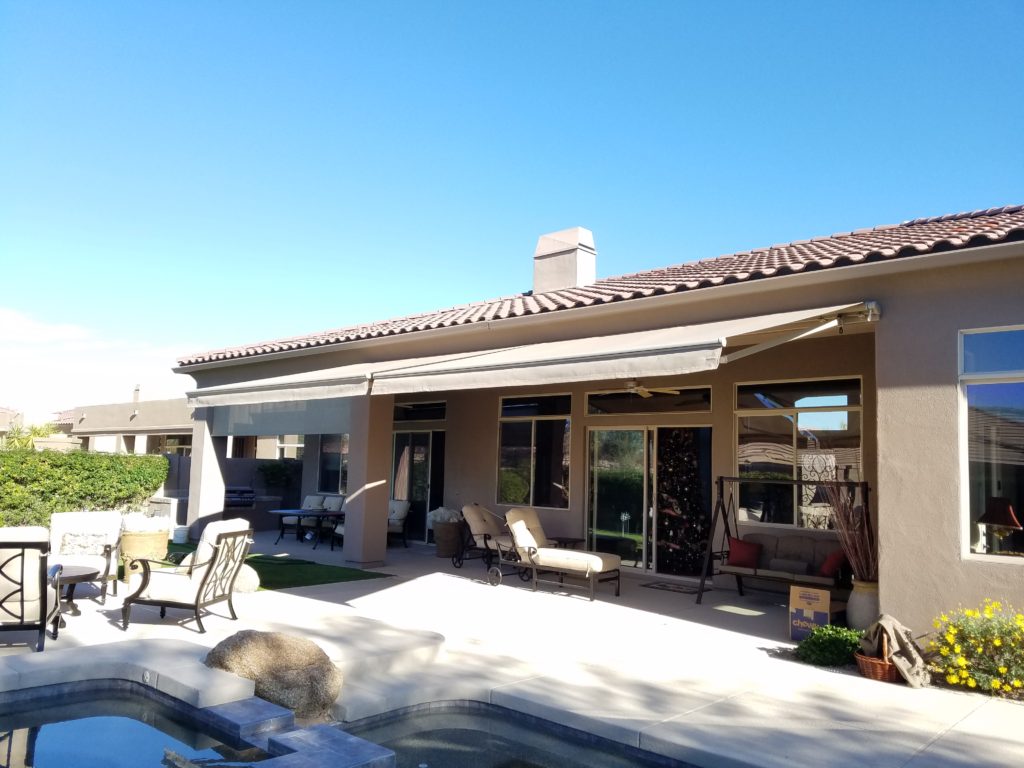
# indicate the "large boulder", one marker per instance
pixel 290 671
pixel 247 579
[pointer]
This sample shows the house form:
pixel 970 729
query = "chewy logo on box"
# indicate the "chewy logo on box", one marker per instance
pixel 808 608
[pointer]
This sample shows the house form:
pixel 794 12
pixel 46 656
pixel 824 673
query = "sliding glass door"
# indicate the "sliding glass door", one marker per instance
pixel 650 496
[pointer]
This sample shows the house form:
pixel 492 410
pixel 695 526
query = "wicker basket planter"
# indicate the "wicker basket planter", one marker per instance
pixel 878 669
pixel 145 545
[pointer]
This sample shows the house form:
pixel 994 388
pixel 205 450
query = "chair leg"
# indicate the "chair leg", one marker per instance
pixel 199 622
pixel 163 611
pixel 126 611
pixel 231 609
pixel 103 592
pixel 115 585
pixel 42 639
pixel 739 584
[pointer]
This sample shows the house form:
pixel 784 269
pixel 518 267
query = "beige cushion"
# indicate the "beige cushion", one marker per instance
pixel 334 503
pixel 25 602
pixel 313 501
pixel 574 561
pixel 397 510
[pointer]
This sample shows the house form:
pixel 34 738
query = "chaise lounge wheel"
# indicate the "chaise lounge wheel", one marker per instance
pixel 494 576
pixel 525 574
pixel 457 559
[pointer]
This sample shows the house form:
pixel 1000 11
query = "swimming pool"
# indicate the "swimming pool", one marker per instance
pixel 469 734
pixel 106 725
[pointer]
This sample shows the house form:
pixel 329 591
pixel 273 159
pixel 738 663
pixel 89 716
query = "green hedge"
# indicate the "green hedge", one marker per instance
pixel 35 484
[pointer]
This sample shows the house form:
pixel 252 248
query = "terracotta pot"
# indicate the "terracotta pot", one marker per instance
pixel 862 608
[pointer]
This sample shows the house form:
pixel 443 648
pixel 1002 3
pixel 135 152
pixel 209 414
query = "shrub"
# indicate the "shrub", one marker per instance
pixel 34 484
pixel 981 649
pixel 829 646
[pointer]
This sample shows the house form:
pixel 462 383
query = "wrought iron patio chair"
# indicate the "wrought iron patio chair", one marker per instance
pixel 207 579
pixel 90 540
pixel 29 586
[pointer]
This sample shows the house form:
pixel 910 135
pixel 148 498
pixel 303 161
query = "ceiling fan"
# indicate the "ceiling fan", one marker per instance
pixel 635 387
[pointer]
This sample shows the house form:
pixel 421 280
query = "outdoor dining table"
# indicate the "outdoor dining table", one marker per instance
pixel 320 514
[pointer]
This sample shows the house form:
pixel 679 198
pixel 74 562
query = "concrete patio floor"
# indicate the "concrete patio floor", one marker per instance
pixel 714 684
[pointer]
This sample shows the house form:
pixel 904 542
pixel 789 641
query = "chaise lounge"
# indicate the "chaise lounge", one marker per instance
pixel 527 535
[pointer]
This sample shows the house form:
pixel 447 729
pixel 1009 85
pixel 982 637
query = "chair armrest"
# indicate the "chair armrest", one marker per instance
pixel 53 574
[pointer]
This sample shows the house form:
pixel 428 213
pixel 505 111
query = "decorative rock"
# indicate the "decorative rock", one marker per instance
pixel 247 580
pixel 289 671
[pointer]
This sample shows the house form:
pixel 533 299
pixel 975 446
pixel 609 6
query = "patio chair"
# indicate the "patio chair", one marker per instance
pixel 206 577
pixel 398 519
pixel 487 536
pixel 90 540
pixel 29 586
pixel 593 567
pixel 532 521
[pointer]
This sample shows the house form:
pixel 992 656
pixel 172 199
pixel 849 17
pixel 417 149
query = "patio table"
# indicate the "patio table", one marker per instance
pixel 320 514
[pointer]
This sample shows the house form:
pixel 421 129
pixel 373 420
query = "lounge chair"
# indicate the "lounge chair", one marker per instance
pixel 594 567
pixel 30 594
pixel 207 577
pixel 90 540
pixel 487 535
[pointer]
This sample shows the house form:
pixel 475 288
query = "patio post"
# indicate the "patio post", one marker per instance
pixel 206 478
pixel 369 481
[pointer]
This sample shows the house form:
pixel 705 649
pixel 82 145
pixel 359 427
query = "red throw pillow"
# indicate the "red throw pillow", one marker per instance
pixel 743 554
pixel 832 564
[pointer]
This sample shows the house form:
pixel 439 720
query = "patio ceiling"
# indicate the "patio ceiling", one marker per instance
pixel 660 352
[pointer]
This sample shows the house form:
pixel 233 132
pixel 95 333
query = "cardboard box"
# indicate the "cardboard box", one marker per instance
pixel 808 608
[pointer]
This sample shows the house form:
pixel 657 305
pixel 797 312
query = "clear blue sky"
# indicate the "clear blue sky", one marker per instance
pixel 190 175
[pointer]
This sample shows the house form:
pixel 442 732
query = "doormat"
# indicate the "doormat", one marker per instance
pixel 671 586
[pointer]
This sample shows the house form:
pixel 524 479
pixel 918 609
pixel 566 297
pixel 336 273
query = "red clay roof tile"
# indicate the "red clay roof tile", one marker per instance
pixel 889 241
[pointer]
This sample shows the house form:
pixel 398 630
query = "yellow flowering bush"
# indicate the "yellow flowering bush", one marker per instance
pixel 982 649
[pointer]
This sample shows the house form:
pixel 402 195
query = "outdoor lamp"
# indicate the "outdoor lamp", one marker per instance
pixel 999 515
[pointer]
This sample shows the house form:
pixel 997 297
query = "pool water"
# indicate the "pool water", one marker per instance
pixel 112 733
pixel 475 735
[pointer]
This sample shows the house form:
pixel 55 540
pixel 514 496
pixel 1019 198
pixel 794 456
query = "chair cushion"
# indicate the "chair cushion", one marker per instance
pixel 743 553
pixel 313 501
pixel 576 561
pixel 334 503
pixel 99 562
pixel 397 511
pixel 799 567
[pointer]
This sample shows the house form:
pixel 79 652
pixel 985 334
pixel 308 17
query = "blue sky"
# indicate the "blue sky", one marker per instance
pixel 180 176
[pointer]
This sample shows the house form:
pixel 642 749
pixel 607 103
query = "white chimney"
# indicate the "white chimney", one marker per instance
pixel 565 259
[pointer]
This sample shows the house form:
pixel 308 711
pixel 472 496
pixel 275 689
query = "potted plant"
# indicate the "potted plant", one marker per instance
pixel 447 526
pixel 852 522
pixel 143 537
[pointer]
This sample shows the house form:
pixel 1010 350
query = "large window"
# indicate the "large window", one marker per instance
pixel 333 476
pixel 802 431
pixel 992 377
pixel 533 451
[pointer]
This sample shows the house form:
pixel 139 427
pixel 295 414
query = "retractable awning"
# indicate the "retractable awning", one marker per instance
pixel 671 351
pixel 663 352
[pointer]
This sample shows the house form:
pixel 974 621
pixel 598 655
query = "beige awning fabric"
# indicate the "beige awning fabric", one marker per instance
pixel 661 352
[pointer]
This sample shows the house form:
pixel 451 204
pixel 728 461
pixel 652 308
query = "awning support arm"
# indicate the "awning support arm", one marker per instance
pixel 785 339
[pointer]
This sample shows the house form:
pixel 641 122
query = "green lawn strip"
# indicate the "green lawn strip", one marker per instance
pixel 289 572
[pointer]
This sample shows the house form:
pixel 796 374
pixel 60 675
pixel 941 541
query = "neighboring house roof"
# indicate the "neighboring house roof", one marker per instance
pixel 885 243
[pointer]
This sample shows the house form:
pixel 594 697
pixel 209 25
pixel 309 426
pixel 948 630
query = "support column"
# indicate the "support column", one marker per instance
pixel 206 479
pixel 369 486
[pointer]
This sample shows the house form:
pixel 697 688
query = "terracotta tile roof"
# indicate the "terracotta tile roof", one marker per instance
pixel 911 238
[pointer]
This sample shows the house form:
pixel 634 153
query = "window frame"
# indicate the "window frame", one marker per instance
pixel 739 413
pixel 344 437
pixel 964 380
pixel 532 420
pixel 688 388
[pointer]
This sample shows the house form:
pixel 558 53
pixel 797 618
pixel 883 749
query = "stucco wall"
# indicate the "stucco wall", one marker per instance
pixel 926 566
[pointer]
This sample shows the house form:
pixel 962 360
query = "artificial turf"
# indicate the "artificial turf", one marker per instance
pixel 278 572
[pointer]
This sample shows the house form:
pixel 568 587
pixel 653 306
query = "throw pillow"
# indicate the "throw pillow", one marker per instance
pixel 82 544
pixel 743 554
pixel 832 564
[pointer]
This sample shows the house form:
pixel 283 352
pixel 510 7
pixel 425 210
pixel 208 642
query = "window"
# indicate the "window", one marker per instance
pixel 650 400
pixel 533 451
pixel 290 446
pixel 992 379
pixel 333 476
pixel 802 431
pixel 179 444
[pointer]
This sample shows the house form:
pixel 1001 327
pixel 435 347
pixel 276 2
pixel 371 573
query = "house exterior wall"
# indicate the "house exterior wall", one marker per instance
pixel 925 557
